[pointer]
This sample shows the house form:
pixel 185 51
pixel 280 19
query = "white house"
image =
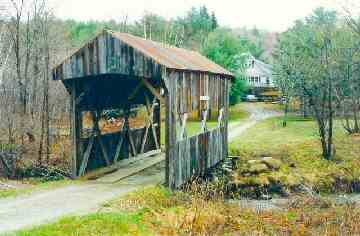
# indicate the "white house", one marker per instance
pixel 258 74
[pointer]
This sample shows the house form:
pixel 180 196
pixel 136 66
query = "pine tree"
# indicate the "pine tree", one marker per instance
pixel 214 21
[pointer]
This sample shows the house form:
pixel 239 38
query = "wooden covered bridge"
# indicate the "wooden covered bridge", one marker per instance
pixel 141 81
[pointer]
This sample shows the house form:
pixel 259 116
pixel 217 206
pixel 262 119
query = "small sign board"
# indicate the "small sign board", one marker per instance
pixel 204 98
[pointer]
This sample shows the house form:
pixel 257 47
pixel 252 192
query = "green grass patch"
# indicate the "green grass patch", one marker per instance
pixel 238 113
pixel 271 106
pixel 101 224
pixel 298 147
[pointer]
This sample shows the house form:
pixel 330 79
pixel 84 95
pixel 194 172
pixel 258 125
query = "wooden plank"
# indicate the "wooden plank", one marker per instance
pixel 212 149
pixel 183 162
pixel 188 158
pixel 183 133
pixel 200 156
pixel 184 90
pixel 193 144
pixel 132 144
pixel 120 142
pixel 168 132
pixel 150 123
pixel 103 150
pixel 144 139
pixel 136 91
pixel 155 136
pixel 118 148
pixel 156 93
pixel 226 115
pixel 171 120
pixel 151 114
pixel 86 156
pixel 76 125
pixel 129 167
pixel 220 117
pixel 178 170
pixel 203 121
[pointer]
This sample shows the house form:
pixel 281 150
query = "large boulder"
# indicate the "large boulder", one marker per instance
pixel 273 164
pixel 258 168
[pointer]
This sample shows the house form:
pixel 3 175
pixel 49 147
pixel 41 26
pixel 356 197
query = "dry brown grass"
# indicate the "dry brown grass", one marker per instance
pixel 157 211
pixel 195 213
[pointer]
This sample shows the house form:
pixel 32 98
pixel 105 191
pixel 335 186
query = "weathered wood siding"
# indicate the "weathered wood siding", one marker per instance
pixel 107 55
pixel 193 156
pixel 191 86
pixel 189 157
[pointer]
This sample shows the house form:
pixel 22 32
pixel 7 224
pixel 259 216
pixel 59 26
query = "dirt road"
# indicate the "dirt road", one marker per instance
pixel 46 206
pixel 258 113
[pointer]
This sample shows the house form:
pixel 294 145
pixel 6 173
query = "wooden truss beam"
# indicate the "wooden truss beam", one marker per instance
pixel 145 83
pixel 121 141
pixel 150 123
pixel 86 156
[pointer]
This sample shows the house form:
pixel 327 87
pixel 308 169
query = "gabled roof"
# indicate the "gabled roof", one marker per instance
pixel 170 56
pixel 260 68
pixel 164 55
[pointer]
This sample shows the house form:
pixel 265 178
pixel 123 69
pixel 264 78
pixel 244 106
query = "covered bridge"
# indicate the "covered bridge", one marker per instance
pixel 149 86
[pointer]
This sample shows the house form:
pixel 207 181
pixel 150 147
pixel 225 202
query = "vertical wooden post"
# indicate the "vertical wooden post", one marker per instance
pixel 170 125
pixel 227 86
pixel 157 120
pixel 76 126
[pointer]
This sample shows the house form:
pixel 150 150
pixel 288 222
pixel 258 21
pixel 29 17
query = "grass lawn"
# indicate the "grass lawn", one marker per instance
pixel 157 211
pixel 107 224
pixel 298 148
pixel 236 113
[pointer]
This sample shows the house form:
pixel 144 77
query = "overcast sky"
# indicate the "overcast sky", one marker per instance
pixel 276 15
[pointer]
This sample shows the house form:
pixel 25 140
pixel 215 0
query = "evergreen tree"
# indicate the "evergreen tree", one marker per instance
pixel 214 21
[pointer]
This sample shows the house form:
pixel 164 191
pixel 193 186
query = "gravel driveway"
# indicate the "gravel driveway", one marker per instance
pixel 258 113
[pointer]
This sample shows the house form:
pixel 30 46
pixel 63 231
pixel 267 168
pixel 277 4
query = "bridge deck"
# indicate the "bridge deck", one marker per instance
pixel 131 166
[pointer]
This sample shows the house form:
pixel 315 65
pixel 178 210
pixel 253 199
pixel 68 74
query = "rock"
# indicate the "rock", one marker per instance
pixel 253 162
pixel 227 170
pixel 258 168
pixel 4 186
pixel 265 197
pixel 344 200
pixel 272 163
pixel 292 165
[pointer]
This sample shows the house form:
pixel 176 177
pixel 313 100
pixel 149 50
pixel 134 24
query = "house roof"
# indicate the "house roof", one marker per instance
pixel 260 69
